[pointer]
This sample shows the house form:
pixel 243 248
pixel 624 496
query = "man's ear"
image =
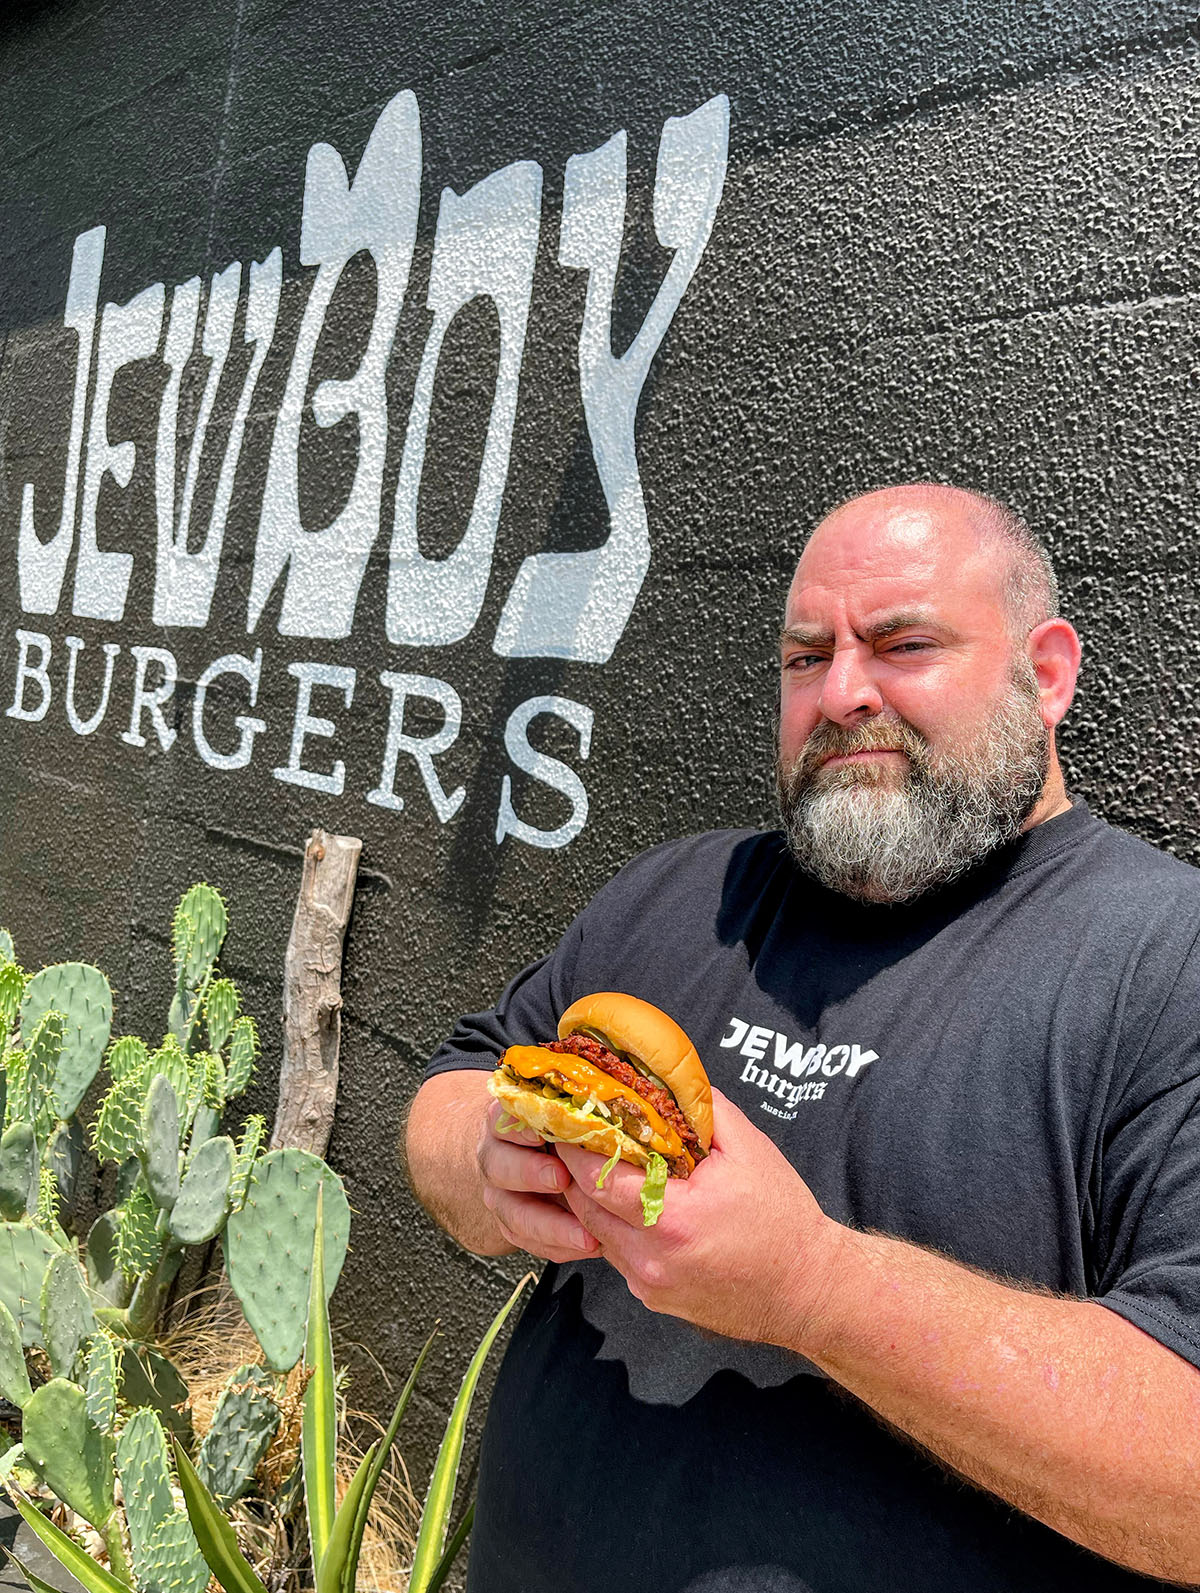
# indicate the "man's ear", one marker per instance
pixel 1054 651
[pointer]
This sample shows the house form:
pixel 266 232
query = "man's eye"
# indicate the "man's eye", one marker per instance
pixel 910 647
pixel 803 660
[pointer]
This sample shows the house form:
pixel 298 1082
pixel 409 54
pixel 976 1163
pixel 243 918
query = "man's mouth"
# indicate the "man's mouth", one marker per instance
pixel 855 757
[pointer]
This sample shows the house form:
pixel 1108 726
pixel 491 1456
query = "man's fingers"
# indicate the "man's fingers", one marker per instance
pixel 516 1133
pixel 540 1226
pixel 515 1167
pixel 731 1126
pixel 621 1190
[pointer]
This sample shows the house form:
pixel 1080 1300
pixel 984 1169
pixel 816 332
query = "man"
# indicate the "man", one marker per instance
pixel 950 1227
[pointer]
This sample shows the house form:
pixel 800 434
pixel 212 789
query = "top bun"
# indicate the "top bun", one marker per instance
pixel 655 1039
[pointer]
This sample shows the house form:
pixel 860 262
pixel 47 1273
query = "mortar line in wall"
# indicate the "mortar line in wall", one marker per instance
pixel 225 114
pixel 982 85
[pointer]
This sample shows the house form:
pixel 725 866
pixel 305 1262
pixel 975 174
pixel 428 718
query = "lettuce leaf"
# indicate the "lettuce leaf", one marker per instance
pixel 607 1168
pixel 653 1187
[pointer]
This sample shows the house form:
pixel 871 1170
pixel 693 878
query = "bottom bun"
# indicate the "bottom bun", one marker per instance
pixel 557 1119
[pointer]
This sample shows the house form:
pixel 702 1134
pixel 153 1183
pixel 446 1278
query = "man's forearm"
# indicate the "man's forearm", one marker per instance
pixel 1061 1407
pixel 441 1137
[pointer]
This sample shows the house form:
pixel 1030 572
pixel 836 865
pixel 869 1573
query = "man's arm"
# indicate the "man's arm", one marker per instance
pixel 493 1192
pixel 1061 1407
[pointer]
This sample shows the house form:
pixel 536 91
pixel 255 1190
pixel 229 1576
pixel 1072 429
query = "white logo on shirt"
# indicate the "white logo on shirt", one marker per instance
pixel 775 1063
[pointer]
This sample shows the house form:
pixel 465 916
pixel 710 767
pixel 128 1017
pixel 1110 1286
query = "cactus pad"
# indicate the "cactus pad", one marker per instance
pixel 139 1246
pixel 171 1562
pixel 45 1212
pixel 200 1212
pixel 18 1172
pixel 43 1052
pixel 70 1456
pixel 126 1055
pixel 199 929
pixel 15 1109
pixel 243 1055
pixel 118 1125
pixel 100 1254
pixel 63 1157
pixel 243 1424
pixel 25 1253
pixel 145 1478
pixel 100 1383
pixel 269 1244
pixel 14 1378
pixel 220 1011
pixel 12 988
pixel 67 1317
pixel 214 1082
pixel 82 994
pixel 253 1132
pixel 160 1142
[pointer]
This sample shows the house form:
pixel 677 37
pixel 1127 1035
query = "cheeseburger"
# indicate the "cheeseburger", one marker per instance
pixel 622 1079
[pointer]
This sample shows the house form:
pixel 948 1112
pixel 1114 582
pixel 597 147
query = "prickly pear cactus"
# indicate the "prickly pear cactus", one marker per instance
pixel 197 932
pixel 68 1320
pixel 203 1203
pixel 243 1424
pixel 14 1377
pixel 100 1383
pixel 82 994
pixel 43 1055
pixel 139 1244
pixel 220 1012
pixel 18 1172
pixel 145 1478
pixel 64 1154
pixel 12 988
pixel 117 1131
pixel 126 1055
pixel 159 1148
pixel 254 1131
pixel 25 1253
pixel 68 1453
pixel 269 1242
pixel 166 1556
pixel 243 1056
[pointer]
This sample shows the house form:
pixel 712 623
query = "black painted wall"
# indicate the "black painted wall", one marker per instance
pixel 951 241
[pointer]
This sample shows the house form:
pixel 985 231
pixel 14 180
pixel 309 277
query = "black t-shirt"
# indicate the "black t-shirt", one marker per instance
pixel 1007 1070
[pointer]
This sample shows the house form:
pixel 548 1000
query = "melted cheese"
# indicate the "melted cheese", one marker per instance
pixel 532 1061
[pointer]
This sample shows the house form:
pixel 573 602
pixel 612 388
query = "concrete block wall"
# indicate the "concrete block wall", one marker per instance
pixel 956 242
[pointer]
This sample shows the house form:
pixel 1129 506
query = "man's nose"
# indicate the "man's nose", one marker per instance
pixel 849 694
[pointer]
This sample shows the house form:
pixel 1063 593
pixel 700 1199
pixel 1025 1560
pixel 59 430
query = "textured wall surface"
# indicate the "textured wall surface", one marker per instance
pixel 950 241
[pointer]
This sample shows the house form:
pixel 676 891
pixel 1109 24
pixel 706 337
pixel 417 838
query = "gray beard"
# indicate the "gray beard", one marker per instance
pixel 861 832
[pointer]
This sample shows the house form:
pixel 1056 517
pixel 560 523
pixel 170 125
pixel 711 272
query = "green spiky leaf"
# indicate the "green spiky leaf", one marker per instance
pixel 253 1133
pixel 243 1056
pixel 127 1055
pixel 138 1244
pixel 220 1012
pixel 118 1127
pixel 101 1381
pixel 71 1457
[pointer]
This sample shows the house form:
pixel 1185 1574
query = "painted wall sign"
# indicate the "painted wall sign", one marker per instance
pixel 572 606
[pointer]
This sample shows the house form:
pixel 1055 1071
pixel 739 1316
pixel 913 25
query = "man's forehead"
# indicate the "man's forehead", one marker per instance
pixel 899 555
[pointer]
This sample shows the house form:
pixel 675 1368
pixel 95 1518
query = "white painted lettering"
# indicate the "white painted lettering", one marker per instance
pixel 306 724
pixel 576 605
pixel 38 672
pixel 128 332
pixel 85 727
pixel 41 565
pixel 737 1029
pixel 550 771
pixel 151 699
pixel 376 212
pixel 422 749
pixel 486 244
pixel 814 1058
pixel 250 670
pixel 753 1075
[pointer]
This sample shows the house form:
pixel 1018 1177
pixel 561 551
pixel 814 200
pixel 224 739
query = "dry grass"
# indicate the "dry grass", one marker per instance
pixel 208 1344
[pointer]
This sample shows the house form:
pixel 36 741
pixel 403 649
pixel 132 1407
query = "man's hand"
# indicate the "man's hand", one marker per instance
pixel 735 1241
pixel 522 1188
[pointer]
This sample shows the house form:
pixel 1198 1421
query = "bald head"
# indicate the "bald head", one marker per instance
pixel 1028 588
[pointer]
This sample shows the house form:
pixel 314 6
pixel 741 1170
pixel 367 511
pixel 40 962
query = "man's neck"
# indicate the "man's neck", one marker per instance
pixel 1054 799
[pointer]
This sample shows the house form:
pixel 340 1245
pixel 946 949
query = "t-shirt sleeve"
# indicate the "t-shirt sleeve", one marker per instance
pixel 526 1013
pixel 1148 1226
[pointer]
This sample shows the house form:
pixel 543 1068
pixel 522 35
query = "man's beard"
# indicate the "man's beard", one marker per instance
pixel 878 835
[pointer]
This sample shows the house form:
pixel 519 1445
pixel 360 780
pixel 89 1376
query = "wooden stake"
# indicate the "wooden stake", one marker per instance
pixel 312 995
